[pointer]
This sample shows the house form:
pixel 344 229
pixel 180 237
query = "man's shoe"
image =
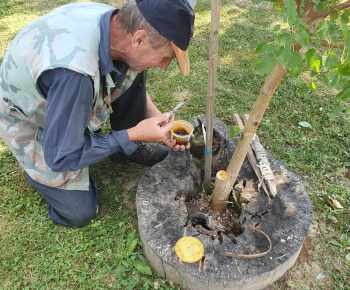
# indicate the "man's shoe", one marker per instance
pixel 146 154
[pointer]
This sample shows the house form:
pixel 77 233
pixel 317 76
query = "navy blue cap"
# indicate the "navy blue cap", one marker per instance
pixel 174 19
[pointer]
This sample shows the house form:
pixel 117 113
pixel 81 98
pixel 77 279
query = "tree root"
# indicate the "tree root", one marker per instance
pixel 256 231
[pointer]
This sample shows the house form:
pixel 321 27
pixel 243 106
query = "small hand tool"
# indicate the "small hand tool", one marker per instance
pixel 173 111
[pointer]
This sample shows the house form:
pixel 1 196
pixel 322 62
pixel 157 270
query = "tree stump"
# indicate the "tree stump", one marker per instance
pixel 163 219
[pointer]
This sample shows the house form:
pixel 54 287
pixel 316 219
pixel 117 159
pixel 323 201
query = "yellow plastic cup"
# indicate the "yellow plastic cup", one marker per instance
pixel 181 132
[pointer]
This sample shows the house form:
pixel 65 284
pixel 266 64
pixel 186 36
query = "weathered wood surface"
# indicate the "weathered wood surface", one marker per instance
pixel 163 219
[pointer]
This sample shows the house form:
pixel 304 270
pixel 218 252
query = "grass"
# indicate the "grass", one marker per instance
pixel 36 253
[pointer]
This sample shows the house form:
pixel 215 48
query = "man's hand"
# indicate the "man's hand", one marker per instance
pixel 172 143
pixel 149 130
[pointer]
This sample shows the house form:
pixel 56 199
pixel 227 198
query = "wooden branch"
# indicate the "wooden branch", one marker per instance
pixel 298 6
pixel 308 7
pixel 339 7
pixel 201 264
pixel 256 231
pixel 313 18
pixel 251 157
pixel 331 45
pixel 264 164
pixel 219 201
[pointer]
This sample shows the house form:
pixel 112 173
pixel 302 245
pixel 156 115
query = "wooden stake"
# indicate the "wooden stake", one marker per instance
pixel 264 164
pixel 219 200
pixel 250 156
pixel 213 60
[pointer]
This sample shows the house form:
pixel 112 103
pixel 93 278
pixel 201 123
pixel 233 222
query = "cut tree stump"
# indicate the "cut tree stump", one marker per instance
pixel 163 220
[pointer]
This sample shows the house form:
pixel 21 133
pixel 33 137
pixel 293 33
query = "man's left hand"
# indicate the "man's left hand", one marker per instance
pixel 172 143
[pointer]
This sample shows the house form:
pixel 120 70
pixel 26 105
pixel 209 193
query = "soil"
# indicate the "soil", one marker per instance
pixel 214 224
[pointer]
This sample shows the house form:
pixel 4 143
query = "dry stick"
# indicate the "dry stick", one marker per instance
pixel 256 114
pixel 256 231
pixel 201 264
pixel 251 157
pixel 264 164
pixel 213 61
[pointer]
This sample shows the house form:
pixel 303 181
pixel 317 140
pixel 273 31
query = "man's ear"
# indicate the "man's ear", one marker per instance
pixel 139 38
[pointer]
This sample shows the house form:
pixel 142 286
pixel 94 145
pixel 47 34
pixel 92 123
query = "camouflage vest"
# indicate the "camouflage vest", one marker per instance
pixel 67 37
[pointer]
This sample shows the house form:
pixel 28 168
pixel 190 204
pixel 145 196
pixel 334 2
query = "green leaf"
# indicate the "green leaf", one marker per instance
pixel 283 55
pixel 335 243
pixel 343 68
pixel 347 257
pixel 271 49
pixel 305 124
pixel 319 7
pixel 262 47
pixel 131 246
pixel 120 271
pixel 257 1
pixel 296 21
pixel 295 72
pixel 334 16
pixel 290 8
pixel 266 65
pixel 313 86
pixel 322 30
pixel 344 240
pixel 310 53
pixel 344 19
pixel 293 60
pixel 345 93
pixel 331 61
pixel 314 64
pixel 142 267
pixel 302 37
pixel 125 263
pixel 337 109
pixel 284 39
pixel 304 89
pixel 232 133
pixel 334 79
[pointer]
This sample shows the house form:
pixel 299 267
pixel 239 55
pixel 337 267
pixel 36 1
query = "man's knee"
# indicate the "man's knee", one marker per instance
pixel 82 216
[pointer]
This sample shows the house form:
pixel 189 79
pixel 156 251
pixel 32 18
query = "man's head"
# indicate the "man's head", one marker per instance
pixel 166 24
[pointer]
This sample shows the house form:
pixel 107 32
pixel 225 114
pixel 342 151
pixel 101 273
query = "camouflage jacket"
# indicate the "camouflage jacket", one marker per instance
pixel 67 37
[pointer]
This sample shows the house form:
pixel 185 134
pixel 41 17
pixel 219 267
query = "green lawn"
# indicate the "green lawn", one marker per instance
pixel 36 253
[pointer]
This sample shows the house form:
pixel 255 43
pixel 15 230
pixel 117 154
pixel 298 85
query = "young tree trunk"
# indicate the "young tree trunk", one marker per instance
pixel 255 116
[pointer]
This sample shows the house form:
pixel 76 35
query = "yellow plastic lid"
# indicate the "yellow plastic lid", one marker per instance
pixel 189 249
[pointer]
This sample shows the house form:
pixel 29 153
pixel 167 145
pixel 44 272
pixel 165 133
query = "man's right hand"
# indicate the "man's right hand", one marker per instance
pixel 149 130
